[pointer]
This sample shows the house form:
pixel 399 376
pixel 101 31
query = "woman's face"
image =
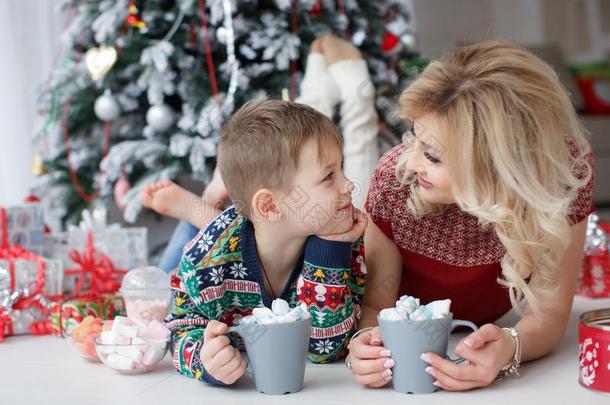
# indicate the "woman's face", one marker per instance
pixel 426 161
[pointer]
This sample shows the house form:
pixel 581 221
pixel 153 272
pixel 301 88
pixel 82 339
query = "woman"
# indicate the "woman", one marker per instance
pixel 484 203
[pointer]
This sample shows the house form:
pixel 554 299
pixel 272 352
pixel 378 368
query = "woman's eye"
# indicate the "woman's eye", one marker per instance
pixel 431 158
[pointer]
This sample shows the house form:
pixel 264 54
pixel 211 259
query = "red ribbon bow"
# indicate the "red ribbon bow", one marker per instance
pixel 103 276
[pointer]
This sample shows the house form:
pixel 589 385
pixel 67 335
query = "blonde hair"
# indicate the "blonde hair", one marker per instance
pixel 261 144
pixel 518 155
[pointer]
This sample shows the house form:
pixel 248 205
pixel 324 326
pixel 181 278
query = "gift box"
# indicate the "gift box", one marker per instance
pixel 127 248
pixel 28 284
pixel 66 315
pixel 25 226
pixel 594 277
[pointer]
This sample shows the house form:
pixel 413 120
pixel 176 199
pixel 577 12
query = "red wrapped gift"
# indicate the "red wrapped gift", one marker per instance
pixel 22 305
pixel 594 278
pixel 97 281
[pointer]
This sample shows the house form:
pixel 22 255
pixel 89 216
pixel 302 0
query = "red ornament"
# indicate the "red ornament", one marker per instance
pixel 595 91
pixel 316 8
pixel 391 43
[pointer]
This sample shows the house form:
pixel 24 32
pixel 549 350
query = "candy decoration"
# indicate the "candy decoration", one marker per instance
pixel 67 314
pixel 83 335
pixel 133 17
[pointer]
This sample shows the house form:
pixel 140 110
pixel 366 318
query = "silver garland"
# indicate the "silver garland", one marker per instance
pixel 227 106
pixel 596 240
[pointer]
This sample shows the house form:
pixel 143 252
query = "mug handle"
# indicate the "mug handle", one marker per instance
pixel 454 324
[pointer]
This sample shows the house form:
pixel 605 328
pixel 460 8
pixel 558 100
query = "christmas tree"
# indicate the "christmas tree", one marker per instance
pixel 142 88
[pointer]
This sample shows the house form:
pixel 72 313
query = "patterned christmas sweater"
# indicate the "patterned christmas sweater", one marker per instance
pixel 219 278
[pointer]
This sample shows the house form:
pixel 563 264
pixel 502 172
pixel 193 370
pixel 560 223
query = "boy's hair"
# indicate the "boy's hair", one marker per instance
pixel 261 144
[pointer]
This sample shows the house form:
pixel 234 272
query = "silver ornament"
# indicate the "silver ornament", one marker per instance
pixel 106 107
pixel 409 41
pixel 358 38
pixel 160 117
pixel 221 35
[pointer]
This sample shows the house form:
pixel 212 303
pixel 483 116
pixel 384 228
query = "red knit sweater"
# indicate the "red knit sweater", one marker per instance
pixel 449 255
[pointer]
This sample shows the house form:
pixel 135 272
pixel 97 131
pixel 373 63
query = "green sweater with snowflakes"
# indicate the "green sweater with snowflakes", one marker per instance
pixel 219 278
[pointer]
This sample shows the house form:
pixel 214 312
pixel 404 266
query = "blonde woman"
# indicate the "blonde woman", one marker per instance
pixel 485 203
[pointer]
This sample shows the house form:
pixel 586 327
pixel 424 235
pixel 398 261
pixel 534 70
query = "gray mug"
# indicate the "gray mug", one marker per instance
pixel 407 340
pixel 277 353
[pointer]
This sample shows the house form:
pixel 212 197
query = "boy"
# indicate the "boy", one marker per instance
pixel 292 233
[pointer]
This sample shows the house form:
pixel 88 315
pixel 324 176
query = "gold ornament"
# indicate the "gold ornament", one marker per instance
pixel 38 168
pixel 100 60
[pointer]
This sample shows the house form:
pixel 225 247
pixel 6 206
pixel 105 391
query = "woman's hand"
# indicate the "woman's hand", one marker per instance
pixel 369 361
pixel 488 350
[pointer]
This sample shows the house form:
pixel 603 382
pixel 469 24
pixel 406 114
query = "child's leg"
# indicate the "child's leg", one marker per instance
pixel 183 233
pixel 318 89
pixel 359 121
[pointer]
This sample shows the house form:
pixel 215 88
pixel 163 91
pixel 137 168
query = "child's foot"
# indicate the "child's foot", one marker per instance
pixel 167 198
pixel 336 49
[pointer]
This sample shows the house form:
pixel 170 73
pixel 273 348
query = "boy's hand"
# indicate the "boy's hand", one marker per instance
pixel 221 360
pixel 356 231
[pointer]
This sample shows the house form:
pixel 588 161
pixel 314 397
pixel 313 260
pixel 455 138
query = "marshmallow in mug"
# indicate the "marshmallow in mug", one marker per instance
pixel 280 312
pixel 409 308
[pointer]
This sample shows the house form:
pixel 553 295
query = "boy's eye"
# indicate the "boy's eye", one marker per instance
pixel 330 176
pixel 431 158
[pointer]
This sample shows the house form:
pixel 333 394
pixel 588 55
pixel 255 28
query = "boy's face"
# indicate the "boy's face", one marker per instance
pixel 319 201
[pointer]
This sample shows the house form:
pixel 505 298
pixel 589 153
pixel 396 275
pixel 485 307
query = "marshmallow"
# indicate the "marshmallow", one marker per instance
pixel 390 314
pixel 409 308
pixel 280 312
pixel 111 338
pixel 131 352
pixel 152 354
pixel 420 314
pixel 137 341
pixel 280 307
pixel 124 327
pixel 106 350
pixel 155 332
pixel 133 344
pixel 119 362
pixel 146 309
pixel 439 309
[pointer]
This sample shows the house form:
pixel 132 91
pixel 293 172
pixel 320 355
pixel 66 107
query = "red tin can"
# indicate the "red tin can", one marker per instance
pixel 594 350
